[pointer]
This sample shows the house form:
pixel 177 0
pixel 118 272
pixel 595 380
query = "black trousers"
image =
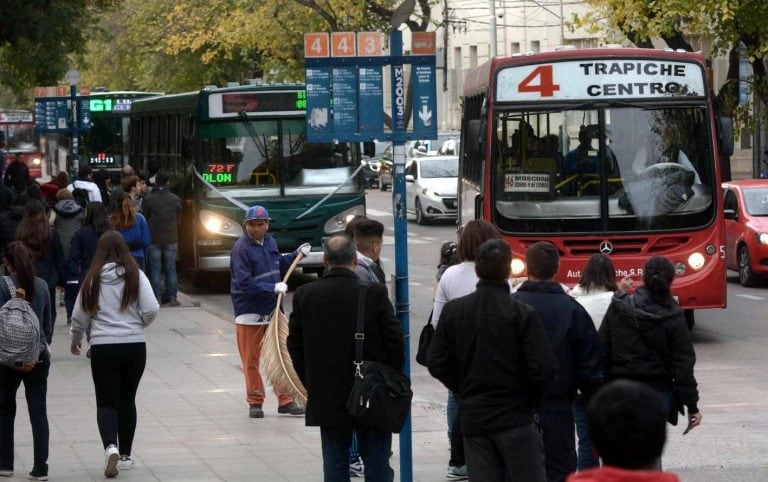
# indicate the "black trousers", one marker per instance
pixel 558 427
pixel 117 370
pixel 513 455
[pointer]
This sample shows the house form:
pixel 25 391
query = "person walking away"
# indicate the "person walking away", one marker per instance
pixel 577 353
pixel 594 292
pixel 321 342
pixel 44 243
pixel 133 227
pixel 457 281
pixel 20 269
pixel 628 423
pixel 116 300
pixel 131 187
pixel 645 338
pixel 69 218
pixel 492 352
pixel 84 189
pixel 162 210
pixel 102 180
pixel 257 270
pixel 16 176
pixel 52 187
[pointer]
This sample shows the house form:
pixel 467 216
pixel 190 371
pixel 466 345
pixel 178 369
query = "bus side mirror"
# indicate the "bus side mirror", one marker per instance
pixel 369 149
pixel 475 141
pixel 730 214
pixel 725 138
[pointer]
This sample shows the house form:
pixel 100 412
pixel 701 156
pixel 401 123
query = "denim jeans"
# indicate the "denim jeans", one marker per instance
pixel 35 390
pixel 375 448
pixel 162 270
pixel 455 435
pixel 585 456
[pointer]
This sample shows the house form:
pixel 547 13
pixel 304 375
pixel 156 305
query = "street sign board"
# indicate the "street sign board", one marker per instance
pixel 344 82
pixel 424 102
pixel 371 99
pixel 343 44
pixel 316 45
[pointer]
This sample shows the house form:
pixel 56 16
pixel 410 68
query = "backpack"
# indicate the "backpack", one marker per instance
pixel 20 337
pixel 80 195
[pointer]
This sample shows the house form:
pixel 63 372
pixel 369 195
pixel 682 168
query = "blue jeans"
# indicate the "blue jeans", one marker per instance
pixel 455 435
pixel 374 447
pixel 162 270
pixel 585 457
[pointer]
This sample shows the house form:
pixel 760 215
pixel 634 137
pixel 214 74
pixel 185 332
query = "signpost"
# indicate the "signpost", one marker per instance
pixel 345 103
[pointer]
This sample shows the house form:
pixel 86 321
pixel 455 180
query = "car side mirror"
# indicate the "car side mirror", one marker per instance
pixel 409 178
pixel 731 214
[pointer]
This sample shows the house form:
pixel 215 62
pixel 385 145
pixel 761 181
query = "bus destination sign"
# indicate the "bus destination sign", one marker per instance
pixel 264 102
pixel 219 173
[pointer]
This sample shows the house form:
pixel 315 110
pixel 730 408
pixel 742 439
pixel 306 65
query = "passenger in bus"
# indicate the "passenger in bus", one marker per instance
pixel 539 159
pixel 583 159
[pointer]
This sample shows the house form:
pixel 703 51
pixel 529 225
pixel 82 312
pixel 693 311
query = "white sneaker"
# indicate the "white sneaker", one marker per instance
pixel 125 463
pixel 111 456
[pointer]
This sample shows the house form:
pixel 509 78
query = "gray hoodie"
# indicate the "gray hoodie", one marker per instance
pixel 110 325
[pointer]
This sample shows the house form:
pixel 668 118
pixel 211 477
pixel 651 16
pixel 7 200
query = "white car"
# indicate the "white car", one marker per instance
pixel 430 185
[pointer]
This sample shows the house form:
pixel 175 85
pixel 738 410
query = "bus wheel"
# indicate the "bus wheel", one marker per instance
pixel 747 277
pixel 689 319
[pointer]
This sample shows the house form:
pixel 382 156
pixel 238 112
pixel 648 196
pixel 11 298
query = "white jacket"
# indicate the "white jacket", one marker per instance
pixel 94 195
pixel 110 325
pixel 595 301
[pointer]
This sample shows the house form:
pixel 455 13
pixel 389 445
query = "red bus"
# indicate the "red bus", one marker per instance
pixel 17 130
pixel 600 150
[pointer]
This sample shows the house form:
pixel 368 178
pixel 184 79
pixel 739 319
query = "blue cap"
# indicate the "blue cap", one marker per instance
pixel 256 212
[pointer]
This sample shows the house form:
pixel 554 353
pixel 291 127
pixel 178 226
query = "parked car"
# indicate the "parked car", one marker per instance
pixel 431 185
pixel 745 206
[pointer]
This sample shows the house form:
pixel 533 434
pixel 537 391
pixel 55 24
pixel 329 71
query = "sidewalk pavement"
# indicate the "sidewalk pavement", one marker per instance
pixel 193 420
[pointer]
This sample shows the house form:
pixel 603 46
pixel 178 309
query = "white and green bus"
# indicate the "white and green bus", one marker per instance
pixel 228 148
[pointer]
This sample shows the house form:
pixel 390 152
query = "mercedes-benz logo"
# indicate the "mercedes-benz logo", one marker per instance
pixel 606 247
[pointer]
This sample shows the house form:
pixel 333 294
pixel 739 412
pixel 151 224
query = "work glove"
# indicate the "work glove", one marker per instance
pixel 281 288
pixel 304 249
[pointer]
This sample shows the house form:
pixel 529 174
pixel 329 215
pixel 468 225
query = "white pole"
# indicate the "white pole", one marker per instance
pixel 493 27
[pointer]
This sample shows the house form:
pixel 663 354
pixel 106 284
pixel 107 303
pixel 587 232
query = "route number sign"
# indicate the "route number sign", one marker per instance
pixel 316 45
pixel 343 44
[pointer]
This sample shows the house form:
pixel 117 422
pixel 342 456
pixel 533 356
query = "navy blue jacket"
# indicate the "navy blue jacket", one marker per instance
pixel 255 269
pixel 574 341
pixel 81 251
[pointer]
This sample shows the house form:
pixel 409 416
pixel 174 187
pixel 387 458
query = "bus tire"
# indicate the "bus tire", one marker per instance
pixel 689 319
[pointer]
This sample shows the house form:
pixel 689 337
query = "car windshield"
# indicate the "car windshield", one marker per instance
pixel 756 201
pixel 611 169
pixel 439 167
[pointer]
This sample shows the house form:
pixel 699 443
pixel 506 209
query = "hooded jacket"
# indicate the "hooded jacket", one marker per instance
pixel 69 218
pixel 615 474
pixel 109 324
pixel 649 343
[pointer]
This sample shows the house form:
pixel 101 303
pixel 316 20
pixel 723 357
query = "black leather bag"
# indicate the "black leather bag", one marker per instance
pixel 425 339
pixel 381 395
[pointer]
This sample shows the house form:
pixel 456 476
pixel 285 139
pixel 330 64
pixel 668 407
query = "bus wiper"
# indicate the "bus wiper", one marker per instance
pixel 255 138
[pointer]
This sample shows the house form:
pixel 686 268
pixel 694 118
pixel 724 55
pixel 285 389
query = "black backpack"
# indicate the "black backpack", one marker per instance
pixel 80 195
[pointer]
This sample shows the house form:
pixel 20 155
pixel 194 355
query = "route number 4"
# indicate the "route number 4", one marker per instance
pixel 541 81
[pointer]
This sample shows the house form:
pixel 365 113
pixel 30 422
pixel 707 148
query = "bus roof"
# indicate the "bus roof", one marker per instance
pixel 124 93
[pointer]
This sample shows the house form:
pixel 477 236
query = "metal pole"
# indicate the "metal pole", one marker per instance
pixel 74 147
pixel 402 303
pixel 562 24
pixel 492 28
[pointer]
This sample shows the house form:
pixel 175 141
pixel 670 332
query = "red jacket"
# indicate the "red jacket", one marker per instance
pixel 615 474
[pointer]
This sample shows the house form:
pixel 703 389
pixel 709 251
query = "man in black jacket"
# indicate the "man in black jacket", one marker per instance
pixel 577 352
pixel 321 342
pixel 493 353
pixel 162 209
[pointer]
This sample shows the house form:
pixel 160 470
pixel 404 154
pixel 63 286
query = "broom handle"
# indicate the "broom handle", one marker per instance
pixel 288 275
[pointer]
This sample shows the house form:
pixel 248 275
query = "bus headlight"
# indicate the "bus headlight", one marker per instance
pixel 338 223
pixel 762 238
pixel 696 261
pixel 36 161
pixel 218 224
pixel 518 266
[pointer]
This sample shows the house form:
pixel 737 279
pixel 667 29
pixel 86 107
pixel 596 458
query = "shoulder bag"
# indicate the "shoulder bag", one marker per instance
pixel 381 395
pixel 425 339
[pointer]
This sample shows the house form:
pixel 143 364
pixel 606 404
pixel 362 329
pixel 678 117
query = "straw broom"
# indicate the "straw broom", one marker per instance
pixel 276 363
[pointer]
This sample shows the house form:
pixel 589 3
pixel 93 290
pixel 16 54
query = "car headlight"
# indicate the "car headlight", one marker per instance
pixel 338 223
pixel 518 266
pixel 218 224
pixel 762 238
pixel 429 192
pixel 696 261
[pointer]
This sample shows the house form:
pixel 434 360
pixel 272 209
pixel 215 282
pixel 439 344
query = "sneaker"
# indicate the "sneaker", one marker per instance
pixel 290 409
pixel 111 457
pixel 88 352
pixel 255 411
pixel 173 302
pixel 125 462
pixel 6 472
pixel 456 473
pixel 37 476
pixel 356 468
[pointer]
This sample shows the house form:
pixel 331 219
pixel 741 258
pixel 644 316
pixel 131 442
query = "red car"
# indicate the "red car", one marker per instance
pixel 745 205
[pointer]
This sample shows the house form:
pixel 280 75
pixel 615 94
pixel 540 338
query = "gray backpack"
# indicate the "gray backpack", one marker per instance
pixel 20 340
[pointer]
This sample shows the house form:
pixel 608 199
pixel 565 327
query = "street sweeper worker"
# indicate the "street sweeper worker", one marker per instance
pixel 257 268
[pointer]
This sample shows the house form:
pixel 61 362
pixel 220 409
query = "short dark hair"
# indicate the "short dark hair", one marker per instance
pixel 161 179
pixel 368 231
pixel 84 171
pixel 340 251
pixel 542 260
pixel 628 424
pixel 475 233
pixel 349 230
pixel 493 260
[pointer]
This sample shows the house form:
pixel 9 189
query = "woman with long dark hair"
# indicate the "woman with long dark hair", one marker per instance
pixel 117 301
pixel 81 251
pixel 133 227
pixel 21 273
pixel 44 243
pixel 645 338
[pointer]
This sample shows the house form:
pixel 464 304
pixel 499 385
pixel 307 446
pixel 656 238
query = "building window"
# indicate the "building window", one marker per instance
pixel 457 63
pixel 515 48
pixel 535 46
pixel 472 56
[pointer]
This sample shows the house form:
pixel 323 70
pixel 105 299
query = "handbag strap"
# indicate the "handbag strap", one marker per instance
pixel 360 330
pixel 11 286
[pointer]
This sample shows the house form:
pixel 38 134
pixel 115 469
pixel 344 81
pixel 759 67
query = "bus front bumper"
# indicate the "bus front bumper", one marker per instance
pixel 220 262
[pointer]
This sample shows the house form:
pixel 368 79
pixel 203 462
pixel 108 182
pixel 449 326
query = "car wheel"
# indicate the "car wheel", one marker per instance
pixel 420 218
pixel 746 276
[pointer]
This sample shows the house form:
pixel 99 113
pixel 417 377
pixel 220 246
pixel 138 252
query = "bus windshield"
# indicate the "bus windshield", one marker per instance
pixel 608 169
pixel 19 137
pixel 269 153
